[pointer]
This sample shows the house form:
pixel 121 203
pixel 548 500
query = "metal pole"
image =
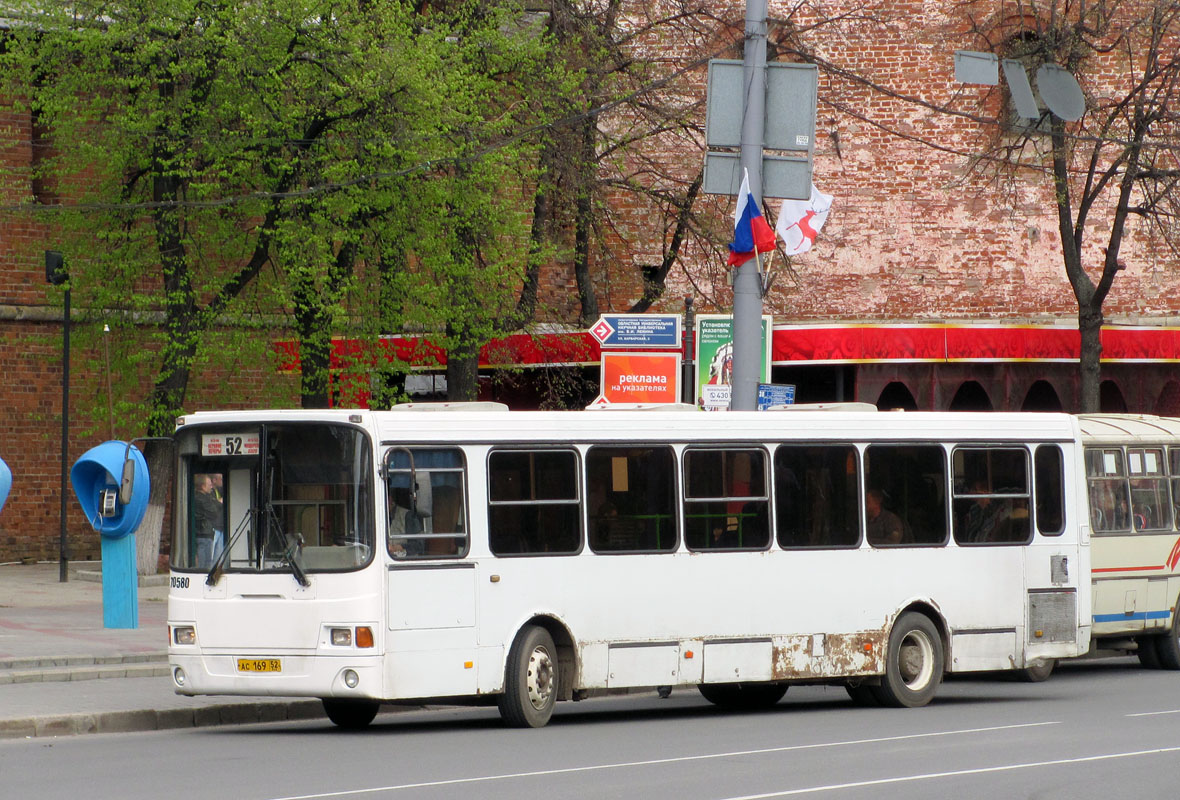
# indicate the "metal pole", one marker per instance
pixel 747 284
pixel 63 545
pixel 106 343
pixel 688 390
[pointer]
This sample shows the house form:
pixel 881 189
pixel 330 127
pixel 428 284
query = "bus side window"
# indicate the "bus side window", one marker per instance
pixel 533 502
pixel 1151 508
pixel 911 480
pixel 991 503
pixel 1049 489
pixel 1110 505
pixel 1174 471
pixel 631 499
pixel 816 496
pixel 726 499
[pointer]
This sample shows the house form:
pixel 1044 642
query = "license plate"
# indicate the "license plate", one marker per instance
pixel 260 665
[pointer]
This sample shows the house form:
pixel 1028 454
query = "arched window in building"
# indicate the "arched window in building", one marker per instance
pixel 896 395
pixel 1041 397
pixel 1168 404
pixel 971 397
pixel 1110 398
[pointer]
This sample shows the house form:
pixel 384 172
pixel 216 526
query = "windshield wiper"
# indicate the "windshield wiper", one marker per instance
pixel 290 545
pixel 219 563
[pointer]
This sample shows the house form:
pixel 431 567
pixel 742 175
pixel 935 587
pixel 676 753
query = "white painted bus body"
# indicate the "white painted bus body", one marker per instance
pixel 1136 573
pixel 443 628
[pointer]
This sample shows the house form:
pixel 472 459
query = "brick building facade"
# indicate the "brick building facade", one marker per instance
pixel 913 238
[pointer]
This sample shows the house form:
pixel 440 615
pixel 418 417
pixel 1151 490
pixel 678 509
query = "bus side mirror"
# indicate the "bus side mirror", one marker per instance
pixel 127 485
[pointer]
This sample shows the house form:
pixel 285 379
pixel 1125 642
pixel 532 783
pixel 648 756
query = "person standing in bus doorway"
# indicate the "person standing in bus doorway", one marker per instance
pixel 208 520
pixel 882 526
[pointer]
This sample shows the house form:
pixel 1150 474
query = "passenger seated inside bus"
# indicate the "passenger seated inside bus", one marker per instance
pixel 882 526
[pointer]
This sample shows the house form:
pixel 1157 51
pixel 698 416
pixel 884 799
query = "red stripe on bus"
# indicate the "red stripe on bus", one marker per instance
pixel 1127 569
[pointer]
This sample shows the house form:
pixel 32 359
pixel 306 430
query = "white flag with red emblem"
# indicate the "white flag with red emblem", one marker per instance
pixel 799 221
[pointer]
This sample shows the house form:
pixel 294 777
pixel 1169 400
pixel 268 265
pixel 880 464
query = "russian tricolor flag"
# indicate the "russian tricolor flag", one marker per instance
pixel 751 232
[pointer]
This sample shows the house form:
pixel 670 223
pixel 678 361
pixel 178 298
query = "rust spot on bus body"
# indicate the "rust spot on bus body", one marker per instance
pixel 830 655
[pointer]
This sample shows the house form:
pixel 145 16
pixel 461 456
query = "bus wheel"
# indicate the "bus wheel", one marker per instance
pixel 1148 652
pixel 352 715
pixel 1167 646
pixel 913 664
pixel 744 696
pixel 1039 671
pixel 530 682
pixel 862 694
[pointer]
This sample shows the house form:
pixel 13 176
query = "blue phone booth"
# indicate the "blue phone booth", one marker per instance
pixel 114 506
pixel 5 483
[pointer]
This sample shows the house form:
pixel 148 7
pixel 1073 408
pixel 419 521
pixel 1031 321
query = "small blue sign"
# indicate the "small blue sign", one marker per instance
pixel 637 330
pixel 775 394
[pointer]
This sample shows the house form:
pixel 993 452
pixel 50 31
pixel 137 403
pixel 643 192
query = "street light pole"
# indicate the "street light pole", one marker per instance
pixel 747 283
pixel 56 274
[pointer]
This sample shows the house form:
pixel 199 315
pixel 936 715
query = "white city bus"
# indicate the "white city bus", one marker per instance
pixel 1133 472
pixel 520 558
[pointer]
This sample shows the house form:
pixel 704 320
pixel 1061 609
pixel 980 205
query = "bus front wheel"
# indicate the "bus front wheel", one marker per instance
pixel 351 715
pixel 913 663
pixel 530 680
pixel 1167 646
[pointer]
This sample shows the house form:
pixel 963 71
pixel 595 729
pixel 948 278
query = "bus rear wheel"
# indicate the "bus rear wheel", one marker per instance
pixel 1039 671
pixel 913 663
pixel 743 696
pixel 530 680
pixel 351 715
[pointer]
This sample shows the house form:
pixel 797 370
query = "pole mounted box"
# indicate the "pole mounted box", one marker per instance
pixel 789 128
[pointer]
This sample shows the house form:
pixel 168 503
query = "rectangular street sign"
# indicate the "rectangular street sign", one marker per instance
pixel 775 394
pixel 637 330
pixel 640 377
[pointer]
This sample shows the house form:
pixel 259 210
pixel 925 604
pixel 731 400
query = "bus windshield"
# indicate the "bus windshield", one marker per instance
pixel 294 497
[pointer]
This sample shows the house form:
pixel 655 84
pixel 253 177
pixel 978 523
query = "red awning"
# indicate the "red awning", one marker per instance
pixel 835 343
pixel 860 344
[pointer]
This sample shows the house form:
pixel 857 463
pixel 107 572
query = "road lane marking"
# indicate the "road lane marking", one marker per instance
pixel 1154 713
pixel 655 762
pixel 956 773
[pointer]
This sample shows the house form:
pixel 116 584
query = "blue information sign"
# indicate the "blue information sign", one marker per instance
pixel 637 330
pixel 775 394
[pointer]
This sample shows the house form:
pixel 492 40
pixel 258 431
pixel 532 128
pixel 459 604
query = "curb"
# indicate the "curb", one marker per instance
pixel 142 581
pixel 37 669
pixel 158 720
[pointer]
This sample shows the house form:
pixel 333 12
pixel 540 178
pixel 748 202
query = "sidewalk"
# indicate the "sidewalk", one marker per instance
pixel 63 673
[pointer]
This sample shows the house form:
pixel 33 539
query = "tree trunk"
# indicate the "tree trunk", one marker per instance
pixel 462 371
pixel 1090 368
pixel 159 456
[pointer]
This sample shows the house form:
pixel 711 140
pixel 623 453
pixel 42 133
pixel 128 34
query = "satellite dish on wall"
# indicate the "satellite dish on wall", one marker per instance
pixel 1061 92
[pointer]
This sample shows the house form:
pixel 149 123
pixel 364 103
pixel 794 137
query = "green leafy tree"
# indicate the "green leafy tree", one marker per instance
pixel 215 163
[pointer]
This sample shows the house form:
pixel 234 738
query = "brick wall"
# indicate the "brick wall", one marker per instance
pixel 911 236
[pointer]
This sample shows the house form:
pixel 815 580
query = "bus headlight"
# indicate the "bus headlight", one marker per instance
pixel 351 679
pixel 184 634
pixel 341 637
